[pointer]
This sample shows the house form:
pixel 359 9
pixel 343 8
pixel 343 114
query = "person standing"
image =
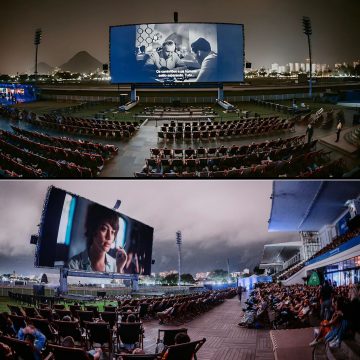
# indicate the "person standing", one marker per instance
pixel 338 131
pixel 310 132
pixel 239 292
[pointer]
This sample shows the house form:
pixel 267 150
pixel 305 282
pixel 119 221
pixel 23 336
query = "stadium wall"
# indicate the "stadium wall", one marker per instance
pixel 169 99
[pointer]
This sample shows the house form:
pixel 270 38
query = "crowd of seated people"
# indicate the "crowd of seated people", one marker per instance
pixel 295 306
pixel 83 326
pixel 239 127
pixel 336 242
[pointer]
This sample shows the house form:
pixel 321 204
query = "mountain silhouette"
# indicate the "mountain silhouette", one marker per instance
pixel 82 62
pixel 43 68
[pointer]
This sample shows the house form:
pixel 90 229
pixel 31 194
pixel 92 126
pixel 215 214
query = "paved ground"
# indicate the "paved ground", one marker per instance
pixel 134 151
pixel 225 340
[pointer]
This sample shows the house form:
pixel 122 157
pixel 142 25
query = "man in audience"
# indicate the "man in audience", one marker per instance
pixel 325 300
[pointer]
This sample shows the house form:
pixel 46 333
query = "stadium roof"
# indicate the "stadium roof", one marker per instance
pixel 277 254
pixel 309 205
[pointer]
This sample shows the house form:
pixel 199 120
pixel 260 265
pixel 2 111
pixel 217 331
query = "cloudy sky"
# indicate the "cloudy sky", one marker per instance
pixel 218 219
pixel 273 29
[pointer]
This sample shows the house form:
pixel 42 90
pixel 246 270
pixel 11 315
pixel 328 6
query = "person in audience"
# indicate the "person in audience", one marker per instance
pixel 138 351
pixel 333 331
pixel 325 300
pixel 101 228
pixel 309 132
pixel 36 338
pixel 180 338
pixel 338 130
pixel 239 292
pixel 94 354
pixel 206 58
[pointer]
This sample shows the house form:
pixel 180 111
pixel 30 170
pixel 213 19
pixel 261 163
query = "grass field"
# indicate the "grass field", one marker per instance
pixel 4 301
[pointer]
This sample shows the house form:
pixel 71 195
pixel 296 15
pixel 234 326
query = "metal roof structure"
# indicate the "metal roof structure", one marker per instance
pixel 309 205
pixel 277 254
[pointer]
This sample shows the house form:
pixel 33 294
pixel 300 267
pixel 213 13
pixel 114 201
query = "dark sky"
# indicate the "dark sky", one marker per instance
pixel 218 219
pixel 273 30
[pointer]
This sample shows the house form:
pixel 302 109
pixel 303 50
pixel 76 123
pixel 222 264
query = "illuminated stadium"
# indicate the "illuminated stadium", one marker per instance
pixel 177 107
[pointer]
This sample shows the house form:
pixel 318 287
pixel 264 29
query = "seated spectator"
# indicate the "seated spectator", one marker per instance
pixel 333 331
pixel 180 338
pixel 94 353
pixel 34 337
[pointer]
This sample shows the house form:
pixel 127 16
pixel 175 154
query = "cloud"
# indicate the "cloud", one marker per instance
pixel 218 219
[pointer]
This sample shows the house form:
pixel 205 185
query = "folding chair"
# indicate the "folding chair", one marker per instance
pixel 21 349
pixel 58 352
pixel 185 351
pixel 130 333
pixel 99 333
pixel 167 337
pixel 44 326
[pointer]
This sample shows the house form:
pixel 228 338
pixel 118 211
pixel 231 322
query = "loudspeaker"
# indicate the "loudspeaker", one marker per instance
pixel 39 290
pixel 152 262
pixel 105 68
pixel 248 65
pixel 101 294
pixel 176 17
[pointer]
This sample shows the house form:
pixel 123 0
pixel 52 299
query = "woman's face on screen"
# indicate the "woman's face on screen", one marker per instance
pixel 104 237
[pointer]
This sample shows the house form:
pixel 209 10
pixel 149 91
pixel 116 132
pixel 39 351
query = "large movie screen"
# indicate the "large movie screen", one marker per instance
pixel 82 235
pixel 177 53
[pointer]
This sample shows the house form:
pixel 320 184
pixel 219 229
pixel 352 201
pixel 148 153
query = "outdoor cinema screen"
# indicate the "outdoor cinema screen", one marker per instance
pixel 177 53
pixel 82 235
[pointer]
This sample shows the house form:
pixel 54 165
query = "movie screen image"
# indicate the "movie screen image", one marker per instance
pixel 177 53
pixel 85 236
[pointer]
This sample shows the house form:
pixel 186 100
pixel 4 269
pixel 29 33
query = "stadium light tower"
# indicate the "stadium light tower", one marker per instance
pixel 37 41
pixel 178 243
pixel 308 31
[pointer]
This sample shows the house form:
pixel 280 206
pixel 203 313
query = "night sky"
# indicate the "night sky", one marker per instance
pixel 218 219
pixel 273 29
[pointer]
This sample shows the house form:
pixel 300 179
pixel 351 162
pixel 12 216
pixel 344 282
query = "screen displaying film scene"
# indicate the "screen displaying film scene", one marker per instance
pixel 84 236
pixel 177 53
